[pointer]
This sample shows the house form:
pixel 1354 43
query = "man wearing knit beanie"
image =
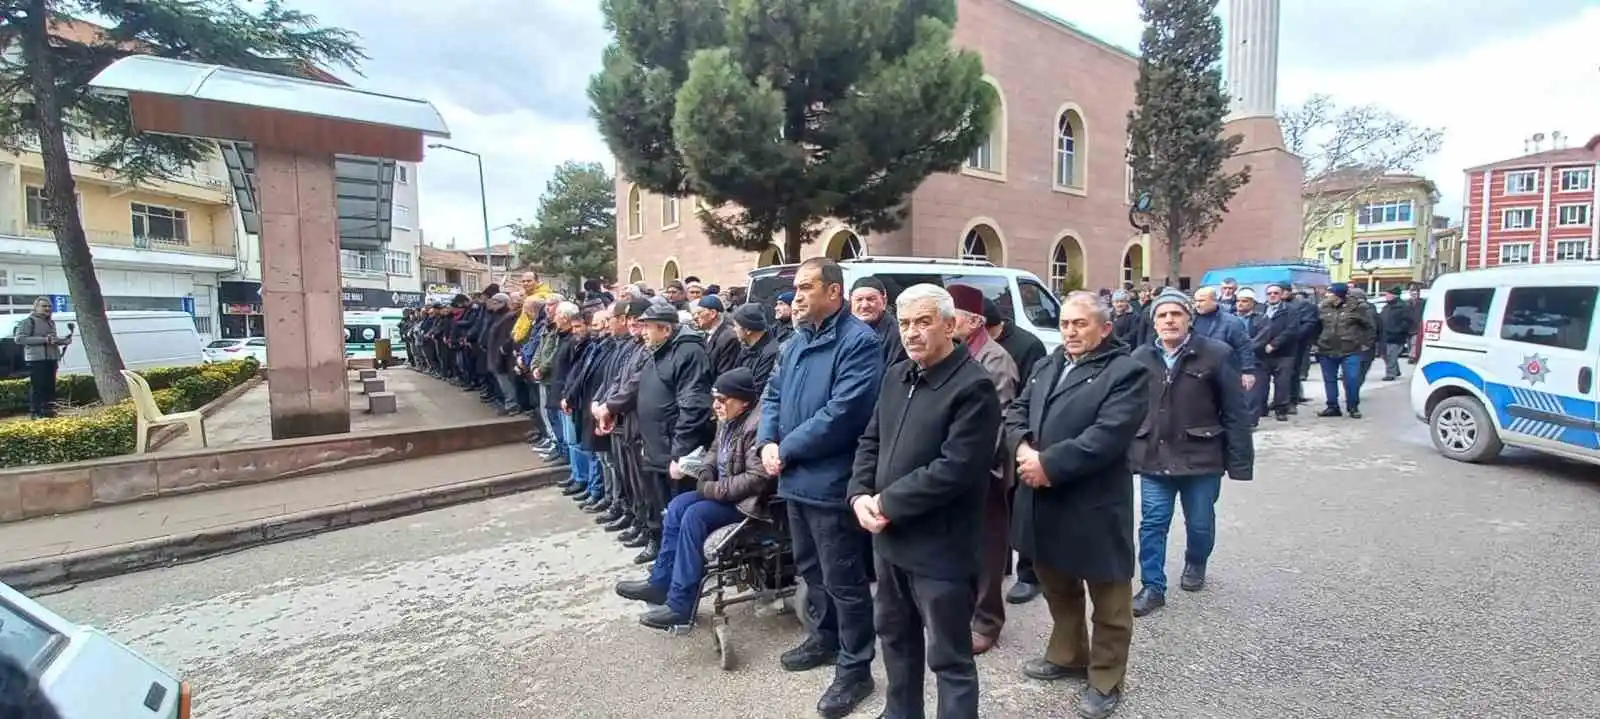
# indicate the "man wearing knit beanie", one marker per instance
pixel 759 352
pixel 783 317
pixel 1204 433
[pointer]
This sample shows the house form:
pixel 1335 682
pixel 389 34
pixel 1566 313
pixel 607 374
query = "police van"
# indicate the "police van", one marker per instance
pixel 1509 357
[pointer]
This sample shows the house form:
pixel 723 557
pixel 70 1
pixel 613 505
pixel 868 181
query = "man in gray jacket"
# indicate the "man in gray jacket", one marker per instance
pixel 41 349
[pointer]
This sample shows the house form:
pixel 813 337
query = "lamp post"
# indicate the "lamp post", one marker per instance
pixel 483 198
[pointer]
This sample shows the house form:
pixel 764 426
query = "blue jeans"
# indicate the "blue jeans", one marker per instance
pixel 1332 368
pixel 585 466
pixel 1157 495
pixel 682 561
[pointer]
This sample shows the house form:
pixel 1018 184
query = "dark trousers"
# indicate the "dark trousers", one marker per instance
pixel 1302 369
pixel 830 555
pixel 1256 398
pixel 42 386
pixel 1281 375
pixel 658 491
pixel 1100 644
pixel 1025 573
pixel 989 616
pixel 632 479
pixel 924 620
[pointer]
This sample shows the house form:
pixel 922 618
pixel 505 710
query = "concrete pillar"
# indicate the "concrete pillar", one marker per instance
pixel 300 295
pixel 1252 57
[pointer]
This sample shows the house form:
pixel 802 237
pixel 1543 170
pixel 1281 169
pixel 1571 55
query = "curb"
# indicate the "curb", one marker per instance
pixel 102 562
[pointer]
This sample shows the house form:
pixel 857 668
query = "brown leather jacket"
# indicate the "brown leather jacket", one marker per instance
pixel 745 483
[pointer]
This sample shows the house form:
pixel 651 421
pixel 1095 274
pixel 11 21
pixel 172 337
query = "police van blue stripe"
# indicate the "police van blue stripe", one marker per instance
pixel 1506 400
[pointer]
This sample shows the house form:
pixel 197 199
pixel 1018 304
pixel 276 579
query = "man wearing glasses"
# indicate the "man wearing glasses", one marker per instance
pixel 1280 346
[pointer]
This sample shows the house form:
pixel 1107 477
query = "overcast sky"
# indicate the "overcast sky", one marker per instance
pixel 509 77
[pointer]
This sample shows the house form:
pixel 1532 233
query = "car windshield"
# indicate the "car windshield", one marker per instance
pixel 22 638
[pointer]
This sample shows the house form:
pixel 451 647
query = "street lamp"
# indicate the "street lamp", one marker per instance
pixel 483 197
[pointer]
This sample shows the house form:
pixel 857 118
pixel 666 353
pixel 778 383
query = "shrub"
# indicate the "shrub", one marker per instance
pixel 78 389
pixel 109 431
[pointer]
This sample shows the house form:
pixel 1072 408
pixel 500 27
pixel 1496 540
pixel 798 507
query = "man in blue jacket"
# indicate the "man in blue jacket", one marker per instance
pixel 816 406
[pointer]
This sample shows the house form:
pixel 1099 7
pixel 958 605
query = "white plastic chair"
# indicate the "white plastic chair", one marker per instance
pixel 150 416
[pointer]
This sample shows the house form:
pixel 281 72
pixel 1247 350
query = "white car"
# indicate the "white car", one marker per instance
pixel 237 349
pixel 85 673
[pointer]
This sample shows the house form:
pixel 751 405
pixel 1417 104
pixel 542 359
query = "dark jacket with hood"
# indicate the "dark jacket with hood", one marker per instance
pixel 674 399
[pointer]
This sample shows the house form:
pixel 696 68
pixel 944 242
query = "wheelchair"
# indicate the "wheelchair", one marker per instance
pixel 751 561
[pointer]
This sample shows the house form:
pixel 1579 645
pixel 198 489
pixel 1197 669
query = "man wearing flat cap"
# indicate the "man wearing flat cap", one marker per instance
pixel 869 302
pixel 990 614
pixel 674 412
pixel 758 349
pixel 722 347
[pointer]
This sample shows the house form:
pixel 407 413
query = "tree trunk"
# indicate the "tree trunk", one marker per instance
pixel 1174 258
pixel 77 263
pixel 794 236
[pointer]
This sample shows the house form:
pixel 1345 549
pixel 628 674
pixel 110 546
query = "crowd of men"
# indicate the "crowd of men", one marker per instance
pixel 916 446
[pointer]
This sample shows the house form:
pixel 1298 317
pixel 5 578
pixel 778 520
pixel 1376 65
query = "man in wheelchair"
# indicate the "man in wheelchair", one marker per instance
pixel 728 487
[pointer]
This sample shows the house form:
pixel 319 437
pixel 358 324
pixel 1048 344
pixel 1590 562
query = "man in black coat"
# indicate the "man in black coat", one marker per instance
pixel 1070 428
pixel 1198 427
pixel 918 484
pixel 674 406
pixel 722 345
pixel 1304 305
pixel 1026 350
pixel 1279 346
pixel 1396 326
pixel 759 352
pixel 869 302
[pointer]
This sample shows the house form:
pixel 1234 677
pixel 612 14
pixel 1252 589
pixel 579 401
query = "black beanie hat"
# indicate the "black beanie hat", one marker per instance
pixel 750 317
pixel 872 282
pixel 738 383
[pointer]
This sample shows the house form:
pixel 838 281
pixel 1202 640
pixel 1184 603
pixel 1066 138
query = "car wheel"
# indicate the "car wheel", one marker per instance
pixel 1463 430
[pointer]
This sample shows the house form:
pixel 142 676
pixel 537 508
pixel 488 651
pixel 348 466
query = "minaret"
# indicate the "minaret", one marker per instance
pixel 1252 36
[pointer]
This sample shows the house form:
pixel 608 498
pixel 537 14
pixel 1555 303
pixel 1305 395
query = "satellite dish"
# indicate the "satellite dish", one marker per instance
pixel 1538 137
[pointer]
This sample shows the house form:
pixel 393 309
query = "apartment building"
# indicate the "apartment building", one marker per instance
pixel 1372 232
pixel 1534 209
pixel 447 273
pixel 158 245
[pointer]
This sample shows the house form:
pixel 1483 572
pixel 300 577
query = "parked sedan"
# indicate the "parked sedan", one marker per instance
pixel 236 349
pixel 85 673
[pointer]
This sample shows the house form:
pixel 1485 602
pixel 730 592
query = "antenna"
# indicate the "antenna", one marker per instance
pixel 1538 141
pixel 1557 140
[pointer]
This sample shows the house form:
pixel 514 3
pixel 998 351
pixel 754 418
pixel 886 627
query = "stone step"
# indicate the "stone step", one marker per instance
pixel 381 403
pixel 369 386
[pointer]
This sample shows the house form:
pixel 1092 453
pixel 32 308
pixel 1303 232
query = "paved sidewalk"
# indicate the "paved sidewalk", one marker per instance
pixel 144 523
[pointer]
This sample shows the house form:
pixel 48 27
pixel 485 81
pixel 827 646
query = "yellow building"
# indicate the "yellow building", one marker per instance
pixel 159 245
pixel 1371 231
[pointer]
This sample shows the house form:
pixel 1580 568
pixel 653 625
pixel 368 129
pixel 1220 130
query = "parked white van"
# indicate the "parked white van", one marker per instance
pixel 1509 357
pixel 145 338
pixel 1019 293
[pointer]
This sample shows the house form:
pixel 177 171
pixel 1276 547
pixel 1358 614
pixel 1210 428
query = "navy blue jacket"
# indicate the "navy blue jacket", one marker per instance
pixel 817 404
pixel 1229 329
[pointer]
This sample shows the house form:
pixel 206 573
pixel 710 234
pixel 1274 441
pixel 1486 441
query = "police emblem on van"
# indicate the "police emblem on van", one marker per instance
pixel 1534 368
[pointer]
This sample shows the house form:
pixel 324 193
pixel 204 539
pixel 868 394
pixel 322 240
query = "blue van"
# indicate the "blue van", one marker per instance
pixel 1257 275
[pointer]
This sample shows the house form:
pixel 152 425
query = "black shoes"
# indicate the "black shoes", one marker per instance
pixel 619 523
pixel 595 505
pixel 1354 413
pixel 809 655
pixel 663 619
pixel 652 548
pixel 641 590
pixel 632 532
pixel 1193 579
pixel 1095 704
pixel 1147 601
pixel 843 696
pixel 1330 412
pixel 1045 670
pixel 1281 416
pixel 1022 593
pixel 574 490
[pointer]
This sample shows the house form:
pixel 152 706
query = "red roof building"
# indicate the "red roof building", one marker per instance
pixel 1534 209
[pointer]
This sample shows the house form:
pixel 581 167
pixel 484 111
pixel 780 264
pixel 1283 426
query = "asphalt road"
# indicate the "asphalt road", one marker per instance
pixel 1360 575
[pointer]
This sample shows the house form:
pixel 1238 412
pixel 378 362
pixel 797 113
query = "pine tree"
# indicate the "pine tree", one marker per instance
pixel 788 111
pixel 1176 144
pixel 44 96
pixel 574 235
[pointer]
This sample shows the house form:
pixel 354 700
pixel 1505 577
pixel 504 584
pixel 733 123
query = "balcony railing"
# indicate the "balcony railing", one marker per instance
pixel 105 238
pixel 84 150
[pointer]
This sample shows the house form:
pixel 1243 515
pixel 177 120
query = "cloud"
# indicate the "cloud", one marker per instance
pixel 510 76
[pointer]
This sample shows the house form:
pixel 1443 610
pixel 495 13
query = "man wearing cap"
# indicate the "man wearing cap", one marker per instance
pixel 783 316
pixel 617 413
pixel 1197 428
pixel 674 294
pixel 1397 325
pixel 1026 350
pixel 758 350
pixel 989 616
pixel 722 347
pixel 674 405
pixel 919 485
pixel 869 302
pixel 815 407
pixel 1347 333
pixel 1070 429
pixel 730 485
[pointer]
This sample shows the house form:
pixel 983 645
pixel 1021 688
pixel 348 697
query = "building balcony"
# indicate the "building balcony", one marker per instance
pixel 116 249
pixel 191 184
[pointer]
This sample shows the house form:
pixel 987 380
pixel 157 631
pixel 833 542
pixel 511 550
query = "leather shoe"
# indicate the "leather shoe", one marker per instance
pixel 1194 578
pixel 629 534
pixel 1147 601
pixel 843 696
pixel 1095 704
pixel 663 618
pixel 652 548
pixel 593 506
pixel 1045 670
pixel 641 590
pixel 619 523
pixel 809 655
pixel 639 541
pixel 981 643
pixel 573 490
pixel 1022 593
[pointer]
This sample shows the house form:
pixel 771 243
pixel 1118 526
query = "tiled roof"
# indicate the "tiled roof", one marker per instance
pixel 1356 178
pixel 1587 154
pixel 449 260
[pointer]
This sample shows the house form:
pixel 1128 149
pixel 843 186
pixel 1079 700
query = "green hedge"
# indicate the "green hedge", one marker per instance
pixel 109 431
pixel 76 390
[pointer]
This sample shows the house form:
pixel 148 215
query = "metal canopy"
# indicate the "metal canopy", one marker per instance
pixel 363 195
